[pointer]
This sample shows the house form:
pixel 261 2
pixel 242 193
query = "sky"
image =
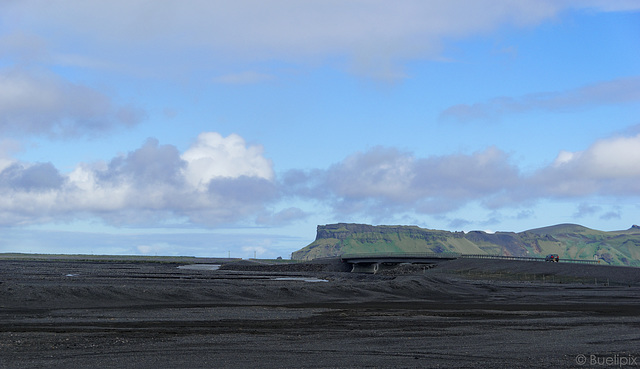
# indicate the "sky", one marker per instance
pixel 219 128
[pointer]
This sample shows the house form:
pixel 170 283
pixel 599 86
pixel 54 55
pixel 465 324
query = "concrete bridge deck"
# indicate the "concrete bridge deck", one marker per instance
pixel 399 257
pixel 371 262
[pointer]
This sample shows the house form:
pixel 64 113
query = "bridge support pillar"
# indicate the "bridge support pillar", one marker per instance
pixel 371 268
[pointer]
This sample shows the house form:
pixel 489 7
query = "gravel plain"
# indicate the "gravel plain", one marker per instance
pixel 461 313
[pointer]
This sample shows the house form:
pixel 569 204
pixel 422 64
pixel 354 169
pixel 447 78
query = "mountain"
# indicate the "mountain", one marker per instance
pixel 570 241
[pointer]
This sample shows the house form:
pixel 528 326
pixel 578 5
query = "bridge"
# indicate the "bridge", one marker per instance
pixel 373 262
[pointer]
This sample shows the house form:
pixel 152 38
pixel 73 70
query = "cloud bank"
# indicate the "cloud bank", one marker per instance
pixel 618 91
pixel 40 103
pixel 216 181
pixel 609 167
pixel 375 36
pixel 223 181
pixel 387 181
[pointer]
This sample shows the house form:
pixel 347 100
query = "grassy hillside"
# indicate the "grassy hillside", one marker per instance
pixel 565 229
pixel 570 241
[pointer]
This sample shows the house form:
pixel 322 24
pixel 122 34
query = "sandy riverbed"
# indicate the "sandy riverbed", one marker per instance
pixel 462 313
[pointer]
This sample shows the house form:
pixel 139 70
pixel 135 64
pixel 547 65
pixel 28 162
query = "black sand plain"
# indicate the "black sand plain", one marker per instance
pixel 459 314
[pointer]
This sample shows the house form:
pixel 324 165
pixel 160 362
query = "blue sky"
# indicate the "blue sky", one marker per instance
pixel 214 128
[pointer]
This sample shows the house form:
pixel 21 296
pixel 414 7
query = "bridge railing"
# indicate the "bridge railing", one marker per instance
pixel 526 258
pixel 413 255
pixel 501 257
pixel 452 255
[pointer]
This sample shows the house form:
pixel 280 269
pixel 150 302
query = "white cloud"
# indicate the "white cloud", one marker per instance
pixel 375 36
pixel 563 158
pixel 216 181
pixel 609 167
pixel 213 156
pixel 617 157
pixel 41 103
pixel 613 158
pixel 378 173
pixel 221 180
pixel 384 180
pixel 618 91
pixel 86 192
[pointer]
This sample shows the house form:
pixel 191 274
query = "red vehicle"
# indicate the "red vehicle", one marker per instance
pixel 552 258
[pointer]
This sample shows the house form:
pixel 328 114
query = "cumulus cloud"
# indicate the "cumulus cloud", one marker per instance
pixel 608 167
pixel 387 180
pixel 218 180
pixel 38 177
pixel 222 181
pixel 618 91
pixel 375 36
pixel 213 156
pixel 41 103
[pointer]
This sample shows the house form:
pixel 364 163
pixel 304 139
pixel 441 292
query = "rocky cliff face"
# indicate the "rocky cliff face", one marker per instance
pixel 342 231
pixel 568 240
pixel 336 239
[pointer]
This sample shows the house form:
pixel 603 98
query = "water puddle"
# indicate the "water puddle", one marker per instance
pixel 200 267
pixel 303 279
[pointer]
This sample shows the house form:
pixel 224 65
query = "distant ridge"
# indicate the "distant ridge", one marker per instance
pixel 572 241
pixel 563 228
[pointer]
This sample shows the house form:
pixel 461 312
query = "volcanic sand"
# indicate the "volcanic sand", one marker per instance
pixel 461 313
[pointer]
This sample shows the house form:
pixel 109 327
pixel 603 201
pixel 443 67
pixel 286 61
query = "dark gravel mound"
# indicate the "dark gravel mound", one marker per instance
pixel 564 271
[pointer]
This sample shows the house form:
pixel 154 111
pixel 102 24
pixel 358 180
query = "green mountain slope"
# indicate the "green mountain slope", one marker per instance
pixel 570 241
pixel 565 229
